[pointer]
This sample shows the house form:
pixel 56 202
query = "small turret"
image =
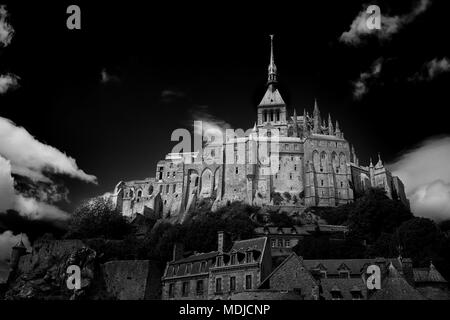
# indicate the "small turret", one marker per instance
pixel 17 251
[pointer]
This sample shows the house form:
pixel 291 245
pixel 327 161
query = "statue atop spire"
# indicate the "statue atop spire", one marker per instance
pixel 272 67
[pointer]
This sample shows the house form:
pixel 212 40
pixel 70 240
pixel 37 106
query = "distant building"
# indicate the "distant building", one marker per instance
pixel 283 239
pixel 317 166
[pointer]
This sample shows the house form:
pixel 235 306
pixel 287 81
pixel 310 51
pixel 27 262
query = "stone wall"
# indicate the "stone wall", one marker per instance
pixel 132 279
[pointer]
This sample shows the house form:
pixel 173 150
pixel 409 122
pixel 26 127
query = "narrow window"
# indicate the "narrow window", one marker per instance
pixel 280 242
pixel 167 188
pixel 290 176
pixel 174 187
pixel 233 258
pixel 219 261
pixel 321 182
pixel 342 184
pixel 248 257
pixel 203 266
pixel 171 290
pixel 248 282
pixel 219 285
pixel 295 167
pixel 287 243
pixel 232 283
pixel 199 288
pixel 188 268
pixel 185 289
pixel 273 243
pixel 237 170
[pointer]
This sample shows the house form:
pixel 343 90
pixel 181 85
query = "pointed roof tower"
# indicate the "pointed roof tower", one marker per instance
pixel 272 76
pixel 272 96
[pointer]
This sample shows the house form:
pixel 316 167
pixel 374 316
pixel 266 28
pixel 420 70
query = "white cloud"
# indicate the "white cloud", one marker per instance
pixel 9 240
pixel 32 159
pixel 6 30
pixel 107 77
pixel 425 171
pixel 389 24
pixel 211 126
pixel 361 86
pixel 431 69
pixel 26 206
pixel 7 82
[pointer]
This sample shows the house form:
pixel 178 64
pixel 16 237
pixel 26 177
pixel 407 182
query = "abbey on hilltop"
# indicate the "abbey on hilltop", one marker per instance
pixel 317 167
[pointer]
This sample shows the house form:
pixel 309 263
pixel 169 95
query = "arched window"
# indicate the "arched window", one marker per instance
pixel 139 194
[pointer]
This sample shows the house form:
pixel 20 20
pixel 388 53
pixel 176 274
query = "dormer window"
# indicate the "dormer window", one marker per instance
pixel 219 261
pixel 345 274
pixel 188 268
pixel 248 257
pixel 203 266
pixel 233 258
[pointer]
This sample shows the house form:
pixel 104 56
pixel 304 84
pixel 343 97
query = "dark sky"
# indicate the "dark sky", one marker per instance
pixel 213 54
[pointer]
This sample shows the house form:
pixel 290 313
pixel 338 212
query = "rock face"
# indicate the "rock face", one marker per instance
pixel 42 273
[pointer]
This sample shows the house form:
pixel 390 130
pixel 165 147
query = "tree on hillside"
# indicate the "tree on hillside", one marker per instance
pixel 374 213
pixel 420 239
pixel 96 218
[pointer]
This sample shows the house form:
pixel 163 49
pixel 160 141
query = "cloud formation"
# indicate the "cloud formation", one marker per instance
pixel 390 25
pixel 425 171
pixel 27 206
pixel 33 158
pixel 107 77
pixel 6 30
pixel 361 86
pixel 7 241
pixel 211 126
pixel 431 69
pixel 168 96
pixel 7 82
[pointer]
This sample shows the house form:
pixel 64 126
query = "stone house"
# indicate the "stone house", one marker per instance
pixel 242 268
pixel 187 278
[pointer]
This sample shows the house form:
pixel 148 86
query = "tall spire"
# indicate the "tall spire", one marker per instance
pixel 305 123
pixel 272 78
pixel 330 126
pixel 316 115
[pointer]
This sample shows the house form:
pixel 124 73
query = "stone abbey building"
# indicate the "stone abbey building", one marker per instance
pixel 316 167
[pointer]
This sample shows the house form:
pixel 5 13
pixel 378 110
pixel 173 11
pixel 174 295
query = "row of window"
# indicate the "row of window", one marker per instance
pixel 234 260
pixel 189 268
pixel 174 188
pixel 280 243
pixel 185 288
pixel 232 284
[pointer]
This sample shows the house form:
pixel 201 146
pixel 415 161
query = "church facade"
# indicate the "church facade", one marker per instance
pixel 316 166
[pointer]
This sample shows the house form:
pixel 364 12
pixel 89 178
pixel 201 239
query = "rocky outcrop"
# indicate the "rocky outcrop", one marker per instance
pixel 42 274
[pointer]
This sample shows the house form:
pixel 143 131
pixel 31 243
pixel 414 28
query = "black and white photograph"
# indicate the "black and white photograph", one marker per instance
pixel 230 151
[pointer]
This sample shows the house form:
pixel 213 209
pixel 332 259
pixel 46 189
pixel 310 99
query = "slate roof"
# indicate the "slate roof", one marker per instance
pixel 395 287
pixel 345 286
pixel 195 262
pixel 250 244
pixel 272 97
pixel 355 266
pixel 425 275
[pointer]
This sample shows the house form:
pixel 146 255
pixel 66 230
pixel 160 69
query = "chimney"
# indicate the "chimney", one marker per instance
pixel 220 241
pixel 178 250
